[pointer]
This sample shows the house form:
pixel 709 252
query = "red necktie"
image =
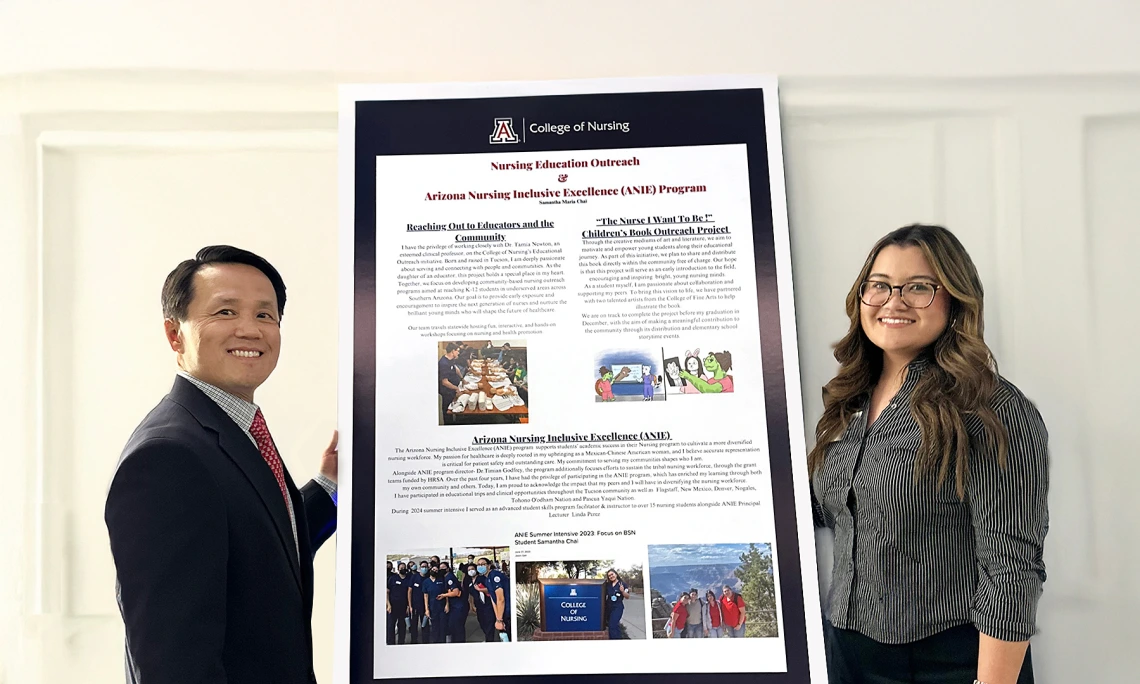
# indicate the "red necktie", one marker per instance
pixel 260 432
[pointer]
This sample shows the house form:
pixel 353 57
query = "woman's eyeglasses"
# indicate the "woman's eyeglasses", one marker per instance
pixel 917 295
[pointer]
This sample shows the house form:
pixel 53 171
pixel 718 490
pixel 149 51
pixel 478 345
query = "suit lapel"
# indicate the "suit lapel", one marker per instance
pixel 237 445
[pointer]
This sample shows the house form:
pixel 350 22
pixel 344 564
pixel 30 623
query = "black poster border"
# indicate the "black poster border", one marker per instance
pixel 658 119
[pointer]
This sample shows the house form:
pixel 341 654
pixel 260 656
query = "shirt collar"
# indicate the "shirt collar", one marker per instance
pixel 239 410
pixel 915 369
pixel 920 363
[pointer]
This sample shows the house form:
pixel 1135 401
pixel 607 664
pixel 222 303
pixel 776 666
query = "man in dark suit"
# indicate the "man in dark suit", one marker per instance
pixel 213 543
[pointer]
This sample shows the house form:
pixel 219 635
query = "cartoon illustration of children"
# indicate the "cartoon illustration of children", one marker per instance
pixel 718 381
pixel 673 372
pixel 693 368
pixel 648 381
pixel 604 387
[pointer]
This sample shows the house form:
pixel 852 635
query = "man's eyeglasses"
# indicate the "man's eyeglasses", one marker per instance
pixel 917 295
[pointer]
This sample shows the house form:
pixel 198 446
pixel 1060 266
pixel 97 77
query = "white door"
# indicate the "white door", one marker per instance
pixel 120 209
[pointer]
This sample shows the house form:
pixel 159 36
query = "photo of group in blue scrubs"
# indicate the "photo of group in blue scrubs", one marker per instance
pixel 449 596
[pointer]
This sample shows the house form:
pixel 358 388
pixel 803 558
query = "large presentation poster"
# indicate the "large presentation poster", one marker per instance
pixel 571 432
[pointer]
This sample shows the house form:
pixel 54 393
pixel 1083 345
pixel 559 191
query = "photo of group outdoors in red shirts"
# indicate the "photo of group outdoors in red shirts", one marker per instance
pixel 653 375
pixel 712 591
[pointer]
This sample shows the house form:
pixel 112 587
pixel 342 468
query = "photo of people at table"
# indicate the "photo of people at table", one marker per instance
pixel 482 381
pixel 713 591
pixel 449 596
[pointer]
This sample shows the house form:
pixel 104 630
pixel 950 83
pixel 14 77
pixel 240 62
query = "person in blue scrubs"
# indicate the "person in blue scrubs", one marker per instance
pixel 481 596
pixel 418 612
pixel 460 606
pixel 617 591
pixel 499 591
pixel 446 574
pixel 434 596
pixel 398 590
pixel 452 590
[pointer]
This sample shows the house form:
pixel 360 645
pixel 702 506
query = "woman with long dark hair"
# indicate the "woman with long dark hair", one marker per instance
pixel 932 470
pixel 616 593
pixel 714 624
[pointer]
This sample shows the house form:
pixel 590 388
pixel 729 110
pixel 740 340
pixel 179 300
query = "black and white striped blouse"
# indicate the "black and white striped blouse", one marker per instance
pixel 911 559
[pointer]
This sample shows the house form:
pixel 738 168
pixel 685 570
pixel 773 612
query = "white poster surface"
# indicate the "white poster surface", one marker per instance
pixel 570 400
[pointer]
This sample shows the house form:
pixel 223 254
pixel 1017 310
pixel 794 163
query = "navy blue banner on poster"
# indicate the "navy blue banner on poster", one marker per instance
pixel 573 607
pixel 569 351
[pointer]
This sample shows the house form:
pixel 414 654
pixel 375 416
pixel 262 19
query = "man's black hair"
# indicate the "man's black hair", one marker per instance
pixel 178 290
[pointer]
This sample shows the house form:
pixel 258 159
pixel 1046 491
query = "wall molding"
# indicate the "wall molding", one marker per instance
pixel 50 573
pixel 1028 137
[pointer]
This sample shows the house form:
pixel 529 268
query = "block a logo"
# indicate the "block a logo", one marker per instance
pixel 504 131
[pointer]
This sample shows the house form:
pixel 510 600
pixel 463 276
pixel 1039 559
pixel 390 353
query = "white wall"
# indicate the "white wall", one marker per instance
pixel 472 40
pixel 132 133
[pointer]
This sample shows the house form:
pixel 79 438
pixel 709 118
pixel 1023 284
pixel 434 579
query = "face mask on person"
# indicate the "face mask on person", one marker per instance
pixel 423 570
pixel 434 573
pixel 471 573
pixel 443 569
pixel 482 569
pixel 403 570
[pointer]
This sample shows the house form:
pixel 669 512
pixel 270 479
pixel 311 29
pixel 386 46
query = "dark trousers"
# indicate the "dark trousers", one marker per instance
pixel 486 616
pixel 397 628
pixel 949 657
pixel 613 619
pixel 457 621
pixel 417 635
pixel 438 624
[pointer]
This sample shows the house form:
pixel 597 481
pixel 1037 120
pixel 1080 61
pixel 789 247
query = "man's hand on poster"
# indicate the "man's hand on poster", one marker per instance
pixel 330 461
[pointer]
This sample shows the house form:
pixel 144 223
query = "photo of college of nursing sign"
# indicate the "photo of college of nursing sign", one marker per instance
pixel 571 607
pixel 568 324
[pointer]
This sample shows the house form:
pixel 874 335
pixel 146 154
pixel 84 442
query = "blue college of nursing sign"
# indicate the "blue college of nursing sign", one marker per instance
pixel 572 607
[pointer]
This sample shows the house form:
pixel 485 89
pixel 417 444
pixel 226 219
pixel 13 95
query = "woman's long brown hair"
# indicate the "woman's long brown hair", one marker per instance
pixel 960 380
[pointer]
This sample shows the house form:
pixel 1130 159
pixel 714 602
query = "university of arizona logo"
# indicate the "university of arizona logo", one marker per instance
pixel 504 131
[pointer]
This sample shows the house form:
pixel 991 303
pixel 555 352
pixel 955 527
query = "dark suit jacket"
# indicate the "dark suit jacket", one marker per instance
pixel 209 584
